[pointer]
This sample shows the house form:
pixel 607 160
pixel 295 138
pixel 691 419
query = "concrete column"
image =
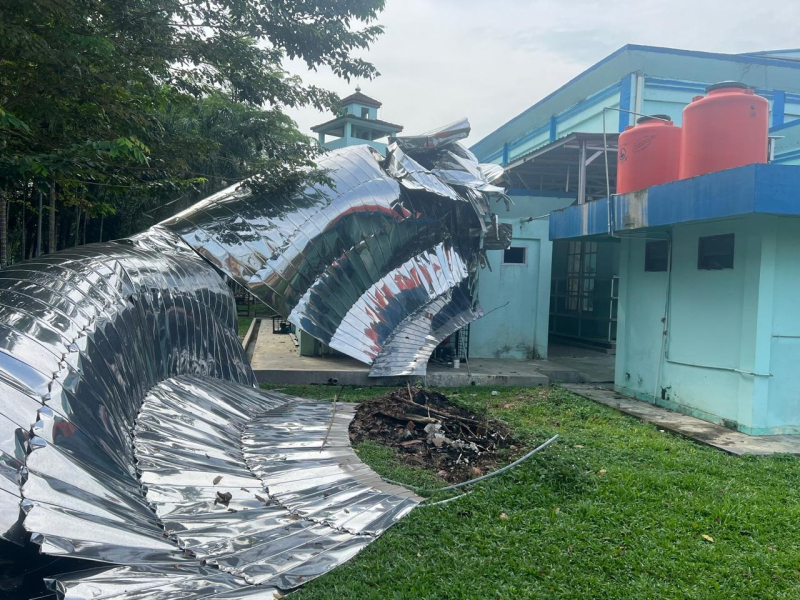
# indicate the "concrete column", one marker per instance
pixel 756 324
pixel 621 361
pixel 309 346
pixel 541 333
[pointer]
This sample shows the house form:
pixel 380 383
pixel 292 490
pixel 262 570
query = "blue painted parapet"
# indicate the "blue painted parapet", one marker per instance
pixel 753 189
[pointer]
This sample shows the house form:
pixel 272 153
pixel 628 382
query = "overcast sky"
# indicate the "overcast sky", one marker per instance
pixel 488 60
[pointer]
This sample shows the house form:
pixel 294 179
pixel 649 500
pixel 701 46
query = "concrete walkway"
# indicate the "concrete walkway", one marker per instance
pixel 594 366
pixel 733 442
pixel 275 359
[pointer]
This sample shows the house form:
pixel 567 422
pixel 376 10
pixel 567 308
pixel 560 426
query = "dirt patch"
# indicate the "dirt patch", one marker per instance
pixel 427 430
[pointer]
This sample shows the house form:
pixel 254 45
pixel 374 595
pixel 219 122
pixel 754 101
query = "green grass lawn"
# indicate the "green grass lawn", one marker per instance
pixel 615 509
pixel 244 325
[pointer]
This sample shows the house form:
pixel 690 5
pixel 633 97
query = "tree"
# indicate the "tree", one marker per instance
pixel 118 107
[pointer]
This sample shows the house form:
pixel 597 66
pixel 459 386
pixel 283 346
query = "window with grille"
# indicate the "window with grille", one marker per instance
pixel 581 274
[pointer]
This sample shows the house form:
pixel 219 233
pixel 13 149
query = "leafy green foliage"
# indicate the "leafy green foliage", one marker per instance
pixel 614 509
pixel 138 108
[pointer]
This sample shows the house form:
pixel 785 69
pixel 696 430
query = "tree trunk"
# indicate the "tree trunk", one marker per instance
pixel 3 230
pixel 51 246
pixel 77 225
pixel 22 220
pixel 39 228
pixel 8 220
pixel 85 225
pixel 102 220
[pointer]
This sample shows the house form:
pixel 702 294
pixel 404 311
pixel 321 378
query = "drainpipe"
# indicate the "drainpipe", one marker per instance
pixel 665 320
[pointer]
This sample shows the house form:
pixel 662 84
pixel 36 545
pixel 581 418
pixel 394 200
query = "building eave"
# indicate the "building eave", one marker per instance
pixel 628 59
pixel 374 123
pixel 359 98
pixel 753 189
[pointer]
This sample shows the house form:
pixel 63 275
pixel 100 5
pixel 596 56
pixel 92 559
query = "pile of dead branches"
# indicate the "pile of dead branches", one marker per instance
pixel 427 430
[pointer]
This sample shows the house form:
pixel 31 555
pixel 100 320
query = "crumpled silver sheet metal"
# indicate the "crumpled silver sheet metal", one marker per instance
pixel 83 335
pixel 152 582
pixel 322 257
pixel 406 293
pixel 417 336
pixel 215 460
pixel 302 452
pixel 130 429
pixel 441 136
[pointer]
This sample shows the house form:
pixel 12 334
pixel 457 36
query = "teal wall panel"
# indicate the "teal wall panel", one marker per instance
pixel 641 307
pixel 518 296
pixel 733 345
pixel 783 402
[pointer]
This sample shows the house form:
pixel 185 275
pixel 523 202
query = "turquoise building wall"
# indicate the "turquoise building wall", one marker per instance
pixel 516 296
pixel 356 108
pixel 349 140
pixel 732 347
pixel 643 79
pixel 787 146
pixel 783 399
pixel 355 118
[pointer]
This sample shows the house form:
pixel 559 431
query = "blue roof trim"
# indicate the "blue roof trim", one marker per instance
pixel 536 132
pixel 668 84
pixel 776 189
pixel 787 156
pixel 492 156
pixel 556 92
pixel 552 123
pixel 740 58
pixel 595 98
pixel 674 88
pixel 658 83
pixel 779 109
pixel 762 52
pixel 765 189
pixel 793 123
pixel 580 220
pixel 625 85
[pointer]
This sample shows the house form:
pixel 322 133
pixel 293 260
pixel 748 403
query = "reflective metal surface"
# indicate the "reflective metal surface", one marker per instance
pixel 248 488
pixel 358 262
pixel 131 431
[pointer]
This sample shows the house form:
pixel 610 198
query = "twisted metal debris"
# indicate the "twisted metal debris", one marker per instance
pixel 131 432
pixel 381 264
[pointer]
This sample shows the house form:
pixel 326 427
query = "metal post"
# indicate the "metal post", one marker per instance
pixel 582 174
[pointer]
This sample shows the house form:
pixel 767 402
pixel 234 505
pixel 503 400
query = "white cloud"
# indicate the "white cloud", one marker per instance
pixel 489 60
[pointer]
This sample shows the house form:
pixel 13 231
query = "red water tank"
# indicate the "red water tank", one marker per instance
pixel 649 154
pixel 727 128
